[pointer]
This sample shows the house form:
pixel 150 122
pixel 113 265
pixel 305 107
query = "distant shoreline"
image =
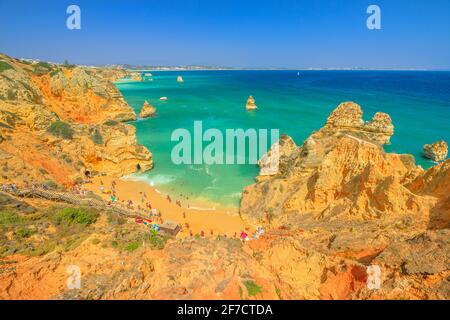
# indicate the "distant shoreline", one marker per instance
pixel 281 69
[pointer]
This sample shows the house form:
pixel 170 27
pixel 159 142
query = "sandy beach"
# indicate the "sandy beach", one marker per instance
pixel 195 219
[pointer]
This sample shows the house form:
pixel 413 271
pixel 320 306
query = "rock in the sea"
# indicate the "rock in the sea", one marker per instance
pixel 347 117
pixel 147 110
pixel 180 79
pixel 436 151
pixel 136 76
pixel 340 171
pixel 251 104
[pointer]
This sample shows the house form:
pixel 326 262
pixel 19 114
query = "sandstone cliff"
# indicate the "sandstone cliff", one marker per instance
pixel 347 197
pixel 57 122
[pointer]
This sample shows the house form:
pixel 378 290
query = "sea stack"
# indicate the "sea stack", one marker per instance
pixel 147 110
pixel 180 79
pixel 251 104
pixel 136 76
pixel 436 151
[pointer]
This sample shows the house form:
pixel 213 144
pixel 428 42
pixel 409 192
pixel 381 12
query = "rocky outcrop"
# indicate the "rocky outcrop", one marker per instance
pixel 339 172
pixel 59 121
pixel 136 76
pixel 147 110
pixel 347 117
pixel 251 104
pixel 436 151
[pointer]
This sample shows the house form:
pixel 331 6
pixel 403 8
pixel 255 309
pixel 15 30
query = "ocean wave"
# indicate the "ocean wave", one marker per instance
pixel 234 195
pixel 158 179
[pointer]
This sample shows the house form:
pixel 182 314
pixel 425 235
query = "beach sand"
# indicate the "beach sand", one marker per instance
pixel 200 217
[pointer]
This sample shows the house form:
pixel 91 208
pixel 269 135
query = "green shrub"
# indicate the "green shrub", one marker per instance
pixel 80 216
pixel 23 232
pixel 44 248
pixel 61 129
pixel 50 184
pixel 43 64
pixel 4 66
pixel 252 288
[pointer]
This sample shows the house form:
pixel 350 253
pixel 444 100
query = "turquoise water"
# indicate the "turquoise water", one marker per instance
pixel 418 103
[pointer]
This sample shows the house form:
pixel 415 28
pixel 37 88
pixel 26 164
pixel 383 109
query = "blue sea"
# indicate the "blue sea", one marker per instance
pixel 295 102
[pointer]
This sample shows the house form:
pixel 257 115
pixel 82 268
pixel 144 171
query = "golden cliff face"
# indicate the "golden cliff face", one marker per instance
pixel 58 122
pixel 340 171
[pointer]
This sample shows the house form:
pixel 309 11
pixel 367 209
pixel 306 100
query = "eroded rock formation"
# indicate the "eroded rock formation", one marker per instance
pixel 347 117
pixel 340 171
pixel 251 104
pixel 147 110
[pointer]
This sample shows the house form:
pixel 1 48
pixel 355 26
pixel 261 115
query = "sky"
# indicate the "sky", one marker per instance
pixel 232 33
